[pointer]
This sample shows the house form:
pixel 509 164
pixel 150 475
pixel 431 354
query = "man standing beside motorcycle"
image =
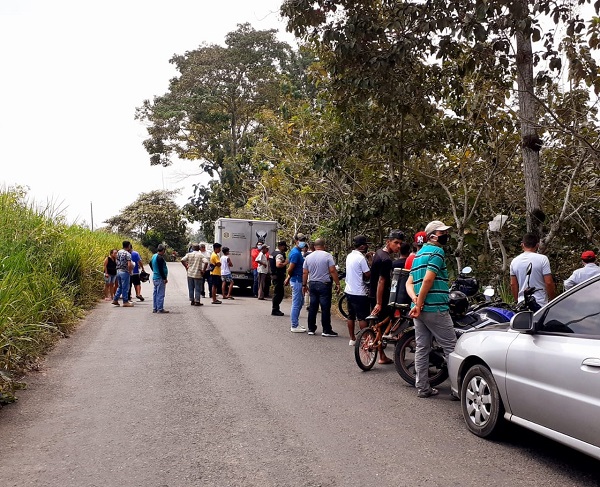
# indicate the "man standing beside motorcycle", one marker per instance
pixel 428 288
pixel 540 276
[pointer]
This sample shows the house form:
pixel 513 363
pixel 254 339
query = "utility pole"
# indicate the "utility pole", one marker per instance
pixel 92 215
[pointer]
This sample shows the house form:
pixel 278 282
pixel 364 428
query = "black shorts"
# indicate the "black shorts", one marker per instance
pixel 216 281
pixel 358 307
pixel 135 280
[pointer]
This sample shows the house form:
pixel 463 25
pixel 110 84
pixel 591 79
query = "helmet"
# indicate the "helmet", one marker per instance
pixel 467 285
pixel 458 303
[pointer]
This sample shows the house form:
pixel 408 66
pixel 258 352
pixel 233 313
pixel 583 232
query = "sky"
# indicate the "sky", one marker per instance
pixel 73 73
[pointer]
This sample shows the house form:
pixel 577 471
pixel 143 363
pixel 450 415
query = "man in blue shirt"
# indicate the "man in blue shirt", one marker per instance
pixel 294 279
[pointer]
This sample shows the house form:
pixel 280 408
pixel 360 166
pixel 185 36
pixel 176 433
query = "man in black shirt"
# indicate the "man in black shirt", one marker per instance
pixel 381 280
pixel 278 264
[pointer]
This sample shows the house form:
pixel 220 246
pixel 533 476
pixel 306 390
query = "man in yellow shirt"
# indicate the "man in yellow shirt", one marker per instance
pixel 215 273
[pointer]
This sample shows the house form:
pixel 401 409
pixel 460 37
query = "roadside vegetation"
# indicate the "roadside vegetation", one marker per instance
pixel 50 274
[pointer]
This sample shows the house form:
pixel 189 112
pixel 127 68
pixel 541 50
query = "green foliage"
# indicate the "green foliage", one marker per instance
pixel 153 218
pixel 50 273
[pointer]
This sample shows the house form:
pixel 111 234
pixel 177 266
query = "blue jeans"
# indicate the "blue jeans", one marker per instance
pixel 255 285
pixel 195 288
pixel 123 289
pixel 297 302
pixel 320 294
pixel 158 296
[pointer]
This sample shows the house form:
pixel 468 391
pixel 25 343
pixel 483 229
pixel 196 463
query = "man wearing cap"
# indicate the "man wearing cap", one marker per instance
pixel 381 281
pixel 320 266
pixel 278 264
pixel 428 288
pixel 417 245
pixel 541 275
pixel 294 279
pixel 357 290
pixel 215 273
pixel 589 270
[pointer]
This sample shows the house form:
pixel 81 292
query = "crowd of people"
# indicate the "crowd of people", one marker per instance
pixel 311 272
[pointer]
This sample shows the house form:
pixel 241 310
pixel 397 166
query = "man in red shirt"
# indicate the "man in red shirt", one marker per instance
pixel 420 238
pixel 253 254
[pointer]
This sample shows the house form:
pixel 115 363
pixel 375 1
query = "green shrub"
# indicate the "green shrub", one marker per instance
pixel 50 273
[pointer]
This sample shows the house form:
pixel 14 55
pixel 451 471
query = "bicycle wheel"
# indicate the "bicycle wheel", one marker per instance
pixel 343 305
pixel 404 361
pixel 365 351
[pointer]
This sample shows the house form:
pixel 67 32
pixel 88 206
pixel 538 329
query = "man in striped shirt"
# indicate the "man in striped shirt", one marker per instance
pixel 428 288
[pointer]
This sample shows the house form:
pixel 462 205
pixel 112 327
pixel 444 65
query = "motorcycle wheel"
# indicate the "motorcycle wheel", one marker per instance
pixel 481 404
pixel 365 351
pixel 404 361
pixel 343 305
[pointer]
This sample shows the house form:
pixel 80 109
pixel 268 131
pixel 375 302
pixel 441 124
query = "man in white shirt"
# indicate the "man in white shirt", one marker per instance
pixel 541 275
pixel 356 290
pixel 589 269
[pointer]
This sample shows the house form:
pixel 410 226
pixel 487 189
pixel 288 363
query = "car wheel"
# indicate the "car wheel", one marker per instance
pixel 481 403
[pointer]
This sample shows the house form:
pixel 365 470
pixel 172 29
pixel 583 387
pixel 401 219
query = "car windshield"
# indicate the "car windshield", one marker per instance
pixel 577 313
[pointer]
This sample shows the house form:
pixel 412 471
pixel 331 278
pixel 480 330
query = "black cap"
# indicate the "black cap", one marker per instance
pixel 360 240
pixel 282 243
pixel 396 234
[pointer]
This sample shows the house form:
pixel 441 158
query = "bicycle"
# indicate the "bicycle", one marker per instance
pixel 380 333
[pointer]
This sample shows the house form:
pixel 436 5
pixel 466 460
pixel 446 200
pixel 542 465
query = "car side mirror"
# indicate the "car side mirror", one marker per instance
pixel 522 322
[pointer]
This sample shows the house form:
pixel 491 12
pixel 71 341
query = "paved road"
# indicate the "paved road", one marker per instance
pixel 227 396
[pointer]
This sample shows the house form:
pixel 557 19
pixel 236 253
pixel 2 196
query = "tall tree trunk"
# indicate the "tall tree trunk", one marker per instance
pixel 531 141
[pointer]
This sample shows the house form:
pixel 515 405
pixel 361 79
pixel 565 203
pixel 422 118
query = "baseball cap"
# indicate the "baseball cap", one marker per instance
pixel 420 238
pixel 300 237
pixel 588 255
pixel 281 243
pixel 360 240
pixel 436 226
pixel 396 234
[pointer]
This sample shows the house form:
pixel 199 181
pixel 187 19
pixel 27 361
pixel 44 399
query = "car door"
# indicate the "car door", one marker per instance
pixel 553 376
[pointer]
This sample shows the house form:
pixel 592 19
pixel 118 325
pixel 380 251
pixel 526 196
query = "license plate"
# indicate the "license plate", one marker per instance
pixel 238 276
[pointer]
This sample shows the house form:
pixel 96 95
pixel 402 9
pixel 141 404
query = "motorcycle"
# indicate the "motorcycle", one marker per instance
pixel 465 316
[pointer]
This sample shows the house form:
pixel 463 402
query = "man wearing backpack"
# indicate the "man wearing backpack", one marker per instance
pixel 278 263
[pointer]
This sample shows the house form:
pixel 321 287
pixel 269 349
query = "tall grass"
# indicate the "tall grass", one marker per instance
pixel 50 273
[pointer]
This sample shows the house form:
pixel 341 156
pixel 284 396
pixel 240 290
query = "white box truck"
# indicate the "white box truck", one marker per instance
pixel 241 237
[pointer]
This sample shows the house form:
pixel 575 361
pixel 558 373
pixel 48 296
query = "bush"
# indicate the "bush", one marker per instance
pixel 50 273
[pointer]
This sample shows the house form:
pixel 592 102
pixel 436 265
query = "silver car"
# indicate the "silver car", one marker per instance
pixel 541 371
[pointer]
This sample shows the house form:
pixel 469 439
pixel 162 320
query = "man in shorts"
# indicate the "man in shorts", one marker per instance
pixel 135 281
pixel 381 281
pixel 357 290
pixel 226 276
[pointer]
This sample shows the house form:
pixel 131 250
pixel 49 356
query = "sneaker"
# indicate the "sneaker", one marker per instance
pixel 311 332
pixel 140 297
pixel 277 313
pixel 162 311
pixel 329 334
pixel 198 303
pixel 128 305
pixel 428 393
pixel 216 302
pixel 352 343
pixel 154 311
pixel 116 303
pixel 298 329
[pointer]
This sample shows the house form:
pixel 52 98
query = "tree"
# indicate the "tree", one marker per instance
pixel 209 113
pixel 363 37
pixel 153 218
